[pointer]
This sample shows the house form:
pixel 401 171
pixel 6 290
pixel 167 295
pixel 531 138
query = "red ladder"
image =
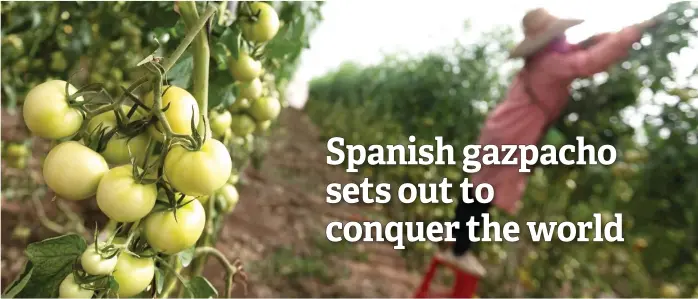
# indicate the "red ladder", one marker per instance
pixel 463 287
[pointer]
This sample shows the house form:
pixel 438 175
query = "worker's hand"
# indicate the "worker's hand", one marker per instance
pixel 647 24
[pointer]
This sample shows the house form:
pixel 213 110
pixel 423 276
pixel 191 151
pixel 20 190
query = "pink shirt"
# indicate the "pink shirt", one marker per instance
pixel 520 120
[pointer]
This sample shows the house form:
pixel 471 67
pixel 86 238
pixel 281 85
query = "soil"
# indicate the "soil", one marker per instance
pixel 277 230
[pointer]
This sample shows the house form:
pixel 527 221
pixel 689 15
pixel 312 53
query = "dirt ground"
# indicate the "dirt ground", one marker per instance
pixel 277 229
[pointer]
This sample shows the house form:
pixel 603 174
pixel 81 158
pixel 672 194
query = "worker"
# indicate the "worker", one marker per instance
pixel 535 100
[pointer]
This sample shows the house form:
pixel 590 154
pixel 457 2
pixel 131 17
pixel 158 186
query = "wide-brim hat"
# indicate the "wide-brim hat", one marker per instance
pixel 540 28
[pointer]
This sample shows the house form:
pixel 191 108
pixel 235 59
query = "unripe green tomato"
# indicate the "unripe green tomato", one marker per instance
pixel 117 74
pixel 22 65
pixel 133 274
pixel 117 150
pixel 265 108
pixel 47 113
pixel 122 198
pixel 266 26
pixel 17 150
pixel 170 235
pixel 244 68
pixel 58 62
pixel 234 178
pixel 242 125
pixel 18 162
pixel 263 126
pixel 220 121
pixel 239 105
pixel 251 90
pixel 73 171
pixel 93 263
pixel 230 197
pixel 182 109
pixel 200 172
pixel 70 289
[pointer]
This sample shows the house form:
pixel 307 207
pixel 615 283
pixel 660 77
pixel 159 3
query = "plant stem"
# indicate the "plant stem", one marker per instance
pixel 201 54
pixel 199 262
pixel 230 268
pixel 194 29
pixel 173 277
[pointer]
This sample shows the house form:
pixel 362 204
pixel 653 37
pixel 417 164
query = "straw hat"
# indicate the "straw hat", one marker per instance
pixel 540 27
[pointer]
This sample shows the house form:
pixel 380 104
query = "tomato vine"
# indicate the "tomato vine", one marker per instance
pixel 160 157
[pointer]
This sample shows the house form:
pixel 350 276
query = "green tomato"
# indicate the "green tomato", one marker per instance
pixel 70 289
pixel 18 162
pixel 265 108
pixel 116 151
pixel 169 235
pixel 133 274
pixel 17 150
pixel 220 121
pixel 245 68
pixel 138 146
pixel 122 198
pixel 47 113
pixel 263 126
pixel 234 178
pixel 266 26
pixel 242 125
pixel 251 90
pixel 58 62
pixel 201 172
pixel 230 197
pixel 93 263
pixel 73 171
pixel 239 105
pixel 182 109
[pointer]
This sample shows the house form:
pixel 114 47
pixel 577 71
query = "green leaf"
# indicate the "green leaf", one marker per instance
pixel 221 89
pixel 19 283
pixel 200 287
pixel 186 256
pixel 231 40
pixel 159 280
pixel 180 74
pixel 113 284
pixel 52 261
pixel 220 55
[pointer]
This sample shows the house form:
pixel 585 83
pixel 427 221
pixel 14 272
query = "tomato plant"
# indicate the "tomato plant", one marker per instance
pixel 145 118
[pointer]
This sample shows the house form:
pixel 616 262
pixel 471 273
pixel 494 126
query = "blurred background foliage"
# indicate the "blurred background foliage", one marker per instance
pixel 653 183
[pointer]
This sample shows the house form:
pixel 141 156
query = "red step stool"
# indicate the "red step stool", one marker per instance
pixel 463 287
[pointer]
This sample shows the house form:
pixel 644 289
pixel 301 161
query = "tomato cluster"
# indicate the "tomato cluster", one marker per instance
pixel 151 162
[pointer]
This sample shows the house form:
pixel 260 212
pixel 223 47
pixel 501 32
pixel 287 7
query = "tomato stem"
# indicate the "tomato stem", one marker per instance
pixel 232 269
pixel 201 55
pixel 170 280
pixel 193 32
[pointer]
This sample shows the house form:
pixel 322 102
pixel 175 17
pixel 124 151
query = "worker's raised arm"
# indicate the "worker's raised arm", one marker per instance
pixel 601 55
